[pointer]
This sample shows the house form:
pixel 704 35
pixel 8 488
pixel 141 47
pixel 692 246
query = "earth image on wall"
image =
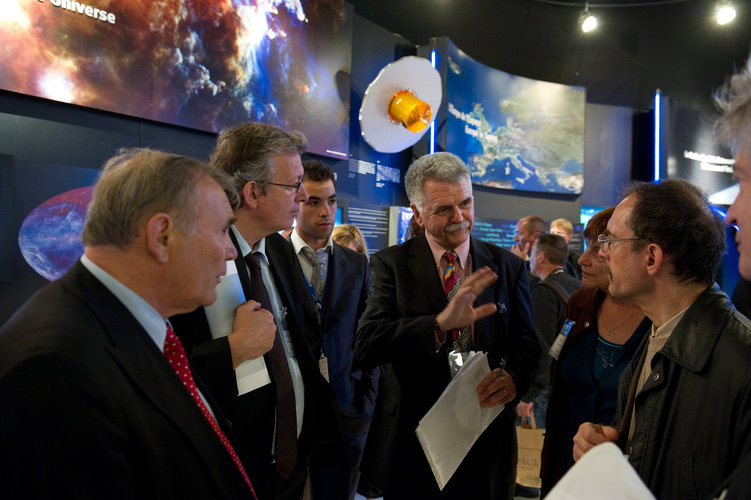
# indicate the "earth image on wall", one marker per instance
pixel 50 235
pixel 514 132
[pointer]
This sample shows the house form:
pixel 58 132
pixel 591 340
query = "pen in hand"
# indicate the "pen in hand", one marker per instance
pixel 501 367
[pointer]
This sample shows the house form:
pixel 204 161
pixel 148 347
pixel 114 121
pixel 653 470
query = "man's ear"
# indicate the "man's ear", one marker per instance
pixel 250 193
pixel 541 256
pixel 160 236
pixel 418 216
pixel 655 259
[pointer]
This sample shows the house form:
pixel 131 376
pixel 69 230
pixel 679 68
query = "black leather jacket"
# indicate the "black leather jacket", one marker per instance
pixel 693 415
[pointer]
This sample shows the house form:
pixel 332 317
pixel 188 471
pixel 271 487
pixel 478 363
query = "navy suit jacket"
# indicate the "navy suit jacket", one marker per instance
pixel 253 413
pixel 92 409
pixel 348 282
pixel 397 328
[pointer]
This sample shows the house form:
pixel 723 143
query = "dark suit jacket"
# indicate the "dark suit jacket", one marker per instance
pixel 397 327
pixel 92 409
pixel 253 413
pixel 348 283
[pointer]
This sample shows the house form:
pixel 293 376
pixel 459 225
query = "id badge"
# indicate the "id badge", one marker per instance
pixel 323 366
pixel 456 361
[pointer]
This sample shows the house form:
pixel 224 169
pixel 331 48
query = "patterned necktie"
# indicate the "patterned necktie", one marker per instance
pixel 451 283
pixel 318 276
pixel 173 351
pixel 286 413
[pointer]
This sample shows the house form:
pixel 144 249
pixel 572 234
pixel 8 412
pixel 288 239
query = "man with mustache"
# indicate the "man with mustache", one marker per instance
pixel 441 292
pixel 284 415
pixel 336 280
pixel 684 412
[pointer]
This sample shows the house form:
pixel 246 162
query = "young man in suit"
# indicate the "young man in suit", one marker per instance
pixel 289 418
pixel 337 280
pixel 410 322
pixel 91 404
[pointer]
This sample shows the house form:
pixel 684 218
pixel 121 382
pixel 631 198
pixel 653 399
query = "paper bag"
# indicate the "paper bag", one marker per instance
pixel 530 440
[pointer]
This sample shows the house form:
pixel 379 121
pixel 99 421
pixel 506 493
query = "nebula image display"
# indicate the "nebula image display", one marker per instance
pixel 202 64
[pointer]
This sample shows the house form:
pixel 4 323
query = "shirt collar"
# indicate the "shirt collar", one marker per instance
pixel 299 243
pixel 245 246
pixel 667 329
pixel 462 251
pixel 145 314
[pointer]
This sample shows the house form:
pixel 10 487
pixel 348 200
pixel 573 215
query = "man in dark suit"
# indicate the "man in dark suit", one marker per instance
pixel 91 404
pixel 283 412
pixel 410 323
pixel 337 280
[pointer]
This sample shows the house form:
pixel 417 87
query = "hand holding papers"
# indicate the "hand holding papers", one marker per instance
pixel 456 420
pixel 252 373
pixel 603 472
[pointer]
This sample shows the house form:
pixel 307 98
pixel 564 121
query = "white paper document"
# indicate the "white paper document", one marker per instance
pixel 455 421
pixel 603 472
pixel 252 373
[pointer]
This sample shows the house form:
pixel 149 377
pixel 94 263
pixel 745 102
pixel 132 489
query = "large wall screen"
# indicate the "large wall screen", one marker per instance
pixel 201 64
pixel 513 132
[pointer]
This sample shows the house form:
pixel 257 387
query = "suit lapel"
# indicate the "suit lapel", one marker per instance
pixel 336 276
pixel 481 257
pixel 421 264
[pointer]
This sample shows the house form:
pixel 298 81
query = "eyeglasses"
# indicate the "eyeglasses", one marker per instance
pixel 296 187
pixel 605 243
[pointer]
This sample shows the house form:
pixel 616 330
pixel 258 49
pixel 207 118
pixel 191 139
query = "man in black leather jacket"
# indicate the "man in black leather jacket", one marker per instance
pixel 684 410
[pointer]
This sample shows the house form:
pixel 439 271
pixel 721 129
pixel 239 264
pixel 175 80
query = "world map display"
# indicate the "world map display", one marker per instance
pixel 514 132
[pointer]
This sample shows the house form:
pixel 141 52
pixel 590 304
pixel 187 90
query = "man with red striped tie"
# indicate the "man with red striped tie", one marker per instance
pixel 97 399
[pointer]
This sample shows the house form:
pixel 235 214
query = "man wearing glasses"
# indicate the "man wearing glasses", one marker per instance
pixel 684 411
pixel 283 413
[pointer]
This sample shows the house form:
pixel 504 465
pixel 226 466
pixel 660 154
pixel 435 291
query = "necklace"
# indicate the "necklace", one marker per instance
pixel 610 330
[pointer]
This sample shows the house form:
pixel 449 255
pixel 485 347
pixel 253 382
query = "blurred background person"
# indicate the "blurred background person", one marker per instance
pixel 349 235
pixel 528 229
pixel 549 300
pixel 563 227
pixel 605 335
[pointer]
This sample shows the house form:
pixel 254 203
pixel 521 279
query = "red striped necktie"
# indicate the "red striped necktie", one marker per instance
pixel 175 354
pixel 462 336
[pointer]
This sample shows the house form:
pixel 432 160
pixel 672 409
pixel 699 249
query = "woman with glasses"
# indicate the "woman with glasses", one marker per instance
pixel 602 341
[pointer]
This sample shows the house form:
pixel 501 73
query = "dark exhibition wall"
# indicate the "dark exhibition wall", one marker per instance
pixel 48 147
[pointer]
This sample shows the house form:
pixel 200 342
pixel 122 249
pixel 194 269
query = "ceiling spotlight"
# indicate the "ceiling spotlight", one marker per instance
pixel 587 21
pixel 724 13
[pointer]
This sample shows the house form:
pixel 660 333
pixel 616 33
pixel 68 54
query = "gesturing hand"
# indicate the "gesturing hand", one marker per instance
pixel 461 311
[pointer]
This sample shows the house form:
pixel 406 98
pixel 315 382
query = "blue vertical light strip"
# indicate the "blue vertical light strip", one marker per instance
pixel 657 135
pixel 432 124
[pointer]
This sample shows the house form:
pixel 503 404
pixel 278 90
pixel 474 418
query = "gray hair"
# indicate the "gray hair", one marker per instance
pixel 140 182
pixel 245 152
pixel 439 167
pixel 734 100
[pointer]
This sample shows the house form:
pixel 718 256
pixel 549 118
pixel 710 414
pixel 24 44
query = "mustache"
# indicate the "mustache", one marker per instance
pixel 457 227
